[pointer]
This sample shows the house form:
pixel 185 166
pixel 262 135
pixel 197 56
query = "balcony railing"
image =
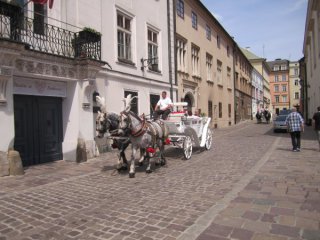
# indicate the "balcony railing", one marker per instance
pixel 43 37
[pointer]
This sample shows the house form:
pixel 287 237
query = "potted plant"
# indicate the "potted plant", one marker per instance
pixel 89 35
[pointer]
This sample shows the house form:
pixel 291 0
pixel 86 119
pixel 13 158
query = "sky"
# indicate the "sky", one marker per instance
pixel 270 28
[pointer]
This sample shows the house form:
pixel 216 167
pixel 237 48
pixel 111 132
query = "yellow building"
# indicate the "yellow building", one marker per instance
pixel 294 85
pixel 205 63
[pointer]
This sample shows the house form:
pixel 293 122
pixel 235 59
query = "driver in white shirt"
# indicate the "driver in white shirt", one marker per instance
pixel 163 107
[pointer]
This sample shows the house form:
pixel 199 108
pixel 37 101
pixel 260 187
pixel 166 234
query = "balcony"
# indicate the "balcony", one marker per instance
pixel 42 37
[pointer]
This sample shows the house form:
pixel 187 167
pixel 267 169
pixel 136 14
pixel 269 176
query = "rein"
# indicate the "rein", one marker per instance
pixel 143 128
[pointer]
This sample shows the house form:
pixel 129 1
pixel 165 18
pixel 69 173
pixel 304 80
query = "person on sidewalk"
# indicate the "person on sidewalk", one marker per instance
pixel 295 125
pixel 316 119
pixel 163 107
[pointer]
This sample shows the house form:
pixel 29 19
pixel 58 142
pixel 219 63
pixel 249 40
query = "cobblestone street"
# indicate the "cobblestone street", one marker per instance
pixel 249 186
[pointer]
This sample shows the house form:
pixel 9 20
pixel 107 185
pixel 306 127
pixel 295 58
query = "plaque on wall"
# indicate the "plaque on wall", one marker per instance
pixel 39 87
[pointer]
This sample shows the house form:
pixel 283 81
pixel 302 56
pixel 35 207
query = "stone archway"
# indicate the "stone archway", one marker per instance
pixel 190 100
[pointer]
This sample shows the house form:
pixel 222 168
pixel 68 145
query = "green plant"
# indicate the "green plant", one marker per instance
pixel 88 29
pixel 202 114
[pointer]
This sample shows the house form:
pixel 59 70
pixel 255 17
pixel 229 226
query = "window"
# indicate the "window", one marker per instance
pixel 275 68
pixel 208 32
pixel 296 95
pixel 284 78
pixel 181 55
pixel 284 98
pixel 229 76
pixel 38 19
pixel 276 88
pixel 277 98
pixel 276 78
pixel 154 98
pixel 228 51
pixel 218 41
pixel 220 109
pixel 124 37
pixel 284 88
pixel 210 109
pixel 134 103
pixel 209 67
pixel 229 110
pixel 194 20
pixel 219 72
pixel 195 61
pixel 180 8
pixel 296 82
pixel 296 71
pixel 153 50
pixel 283 67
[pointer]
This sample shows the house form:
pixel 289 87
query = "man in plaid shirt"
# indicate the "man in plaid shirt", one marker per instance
pixel 295 125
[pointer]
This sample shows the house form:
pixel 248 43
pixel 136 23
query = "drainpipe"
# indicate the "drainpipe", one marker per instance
pixel 169 47
pixel 234 84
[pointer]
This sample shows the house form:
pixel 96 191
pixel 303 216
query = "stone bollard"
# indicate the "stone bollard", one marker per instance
pixel 4 164
pixel 15 163
pixel 81 151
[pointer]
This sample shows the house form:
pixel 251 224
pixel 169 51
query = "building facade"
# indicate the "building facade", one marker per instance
pixel 55 61
pixel 243 87
pixel 257 82
pixel 138 44
pixel 294 85
pixel 205 65
pixel 279 85
pixel 311 51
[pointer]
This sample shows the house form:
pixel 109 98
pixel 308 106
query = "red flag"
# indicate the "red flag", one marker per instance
pixel 43 2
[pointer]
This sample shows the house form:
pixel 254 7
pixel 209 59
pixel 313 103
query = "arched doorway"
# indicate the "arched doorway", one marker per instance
pixel 190 100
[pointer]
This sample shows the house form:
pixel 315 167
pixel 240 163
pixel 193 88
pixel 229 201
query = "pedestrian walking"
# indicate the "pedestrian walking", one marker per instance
pixel 316 119
pixel 295 125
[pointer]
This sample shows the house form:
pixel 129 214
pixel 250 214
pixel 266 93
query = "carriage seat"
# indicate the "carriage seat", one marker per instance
pixel 176 115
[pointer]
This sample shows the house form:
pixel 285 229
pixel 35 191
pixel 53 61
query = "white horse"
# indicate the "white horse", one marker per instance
pixel 144 135
pixel 109 122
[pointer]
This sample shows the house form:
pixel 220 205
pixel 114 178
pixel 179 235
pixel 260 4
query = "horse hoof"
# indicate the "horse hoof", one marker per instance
pixel 131 175
pixel 124 168
pixel 149 171
pixel 140 164
pixel 157 163
pixel 163 162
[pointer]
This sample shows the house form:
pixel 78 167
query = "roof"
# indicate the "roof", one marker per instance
pixel 249 54
pixel 278 62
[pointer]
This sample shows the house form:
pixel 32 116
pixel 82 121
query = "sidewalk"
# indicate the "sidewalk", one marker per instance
pixel 281 200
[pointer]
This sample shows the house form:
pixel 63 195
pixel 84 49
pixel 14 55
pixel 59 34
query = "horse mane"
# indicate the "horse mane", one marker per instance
pixel 113 116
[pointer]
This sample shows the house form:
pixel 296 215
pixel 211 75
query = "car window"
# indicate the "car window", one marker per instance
pixel 281 118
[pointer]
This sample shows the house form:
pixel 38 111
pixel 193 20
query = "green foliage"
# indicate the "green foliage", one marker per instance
pixel 88 29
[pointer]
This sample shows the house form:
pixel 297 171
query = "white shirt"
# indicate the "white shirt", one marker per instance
pixel 163 103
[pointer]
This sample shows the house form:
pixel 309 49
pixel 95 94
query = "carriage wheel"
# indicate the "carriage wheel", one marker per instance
pixel 187 147
pixel 208 140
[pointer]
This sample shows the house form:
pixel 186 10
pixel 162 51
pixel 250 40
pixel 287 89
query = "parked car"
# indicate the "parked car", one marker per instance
pixel 279 124
pixel 285 112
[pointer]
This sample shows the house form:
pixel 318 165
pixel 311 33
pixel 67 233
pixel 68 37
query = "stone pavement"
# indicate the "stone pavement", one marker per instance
pixel 249 186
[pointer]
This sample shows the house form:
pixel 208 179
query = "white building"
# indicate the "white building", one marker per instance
pixel 311 50
pixel 49 72
pixel 257 92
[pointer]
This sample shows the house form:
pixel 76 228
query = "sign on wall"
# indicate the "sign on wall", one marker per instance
pixel 39 87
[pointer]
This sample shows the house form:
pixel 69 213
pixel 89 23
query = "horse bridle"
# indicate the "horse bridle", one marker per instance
pixel 140 131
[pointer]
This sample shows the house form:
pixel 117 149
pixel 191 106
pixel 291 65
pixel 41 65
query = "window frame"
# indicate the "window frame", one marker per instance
pixel 153 49
pixel 194 20
pixel 126 33
pixel 180 8
pixel 209 62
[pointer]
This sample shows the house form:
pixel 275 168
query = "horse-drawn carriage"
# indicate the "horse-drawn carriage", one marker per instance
pixel 187 132
pixel 150 137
